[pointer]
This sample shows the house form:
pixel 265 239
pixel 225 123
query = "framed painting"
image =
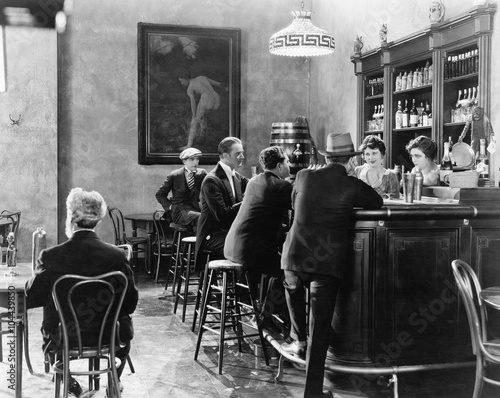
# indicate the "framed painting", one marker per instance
pixel 189 90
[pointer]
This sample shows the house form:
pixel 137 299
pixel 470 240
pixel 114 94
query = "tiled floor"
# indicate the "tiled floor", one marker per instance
pixel 162 353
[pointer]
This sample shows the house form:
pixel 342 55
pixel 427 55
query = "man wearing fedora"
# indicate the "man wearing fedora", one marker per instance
pixel 316 250
pixel 185 184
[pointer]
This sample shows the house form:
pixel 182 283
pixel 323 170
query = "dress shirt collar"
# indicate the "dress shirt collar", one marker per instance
pixel 229 174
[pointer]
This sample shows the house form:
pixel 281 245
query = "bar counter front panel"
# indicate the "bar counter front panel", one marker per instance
pixel 399 305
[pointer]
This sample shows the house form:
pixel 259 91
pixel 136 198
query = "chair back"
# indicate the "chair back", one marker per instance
pixel 88 309
pixel 159 232
pixel 469 289
pixel 128 250
pixel 118 225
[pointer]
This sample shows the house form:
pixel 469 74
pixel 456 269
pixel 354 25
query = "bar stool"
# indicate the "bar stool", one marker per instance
pixel 186 266
pixel 180 232
pixel 230 308
pixel 201 291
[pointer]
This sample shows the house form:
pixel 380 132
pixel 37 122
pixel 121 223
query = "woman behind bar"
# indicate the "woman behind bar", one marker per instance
pixel 373 172
pixel 423 151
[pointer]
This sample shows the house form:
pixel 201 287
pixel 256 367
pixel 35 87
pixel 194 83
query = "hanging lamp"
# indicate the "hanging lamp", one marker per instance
pixel 301 38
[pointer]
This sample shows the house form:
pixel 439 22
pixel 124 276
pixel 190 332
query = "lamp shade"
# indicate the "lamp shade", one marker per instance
pixel 301 38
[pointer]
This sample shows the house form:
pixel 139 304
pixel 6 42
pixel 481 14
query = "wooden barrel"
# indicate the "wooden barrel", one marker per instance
pixel 294 138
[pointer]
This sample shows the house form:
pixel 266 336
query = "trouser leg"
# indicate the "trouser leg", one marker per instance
pixel 323 295
pixel 295 299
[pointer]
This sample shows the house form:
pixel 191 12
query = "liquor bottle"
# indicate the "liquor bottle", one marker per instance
pixel 466 63
pixel 398 82
pixel 450 145
pixel 429 116
pixel 405 115
pixel 413 115
pixel 431 73
pixel 382 118
pixel 404 81
pixel 446 163
pixel 415 78
pixel 375 118
pixel 447 68
pixel 409 83
pixel 453 68
pixel 425 114
pixel 399 116
pixel 476 60
pixel 482 162
pixel 420 111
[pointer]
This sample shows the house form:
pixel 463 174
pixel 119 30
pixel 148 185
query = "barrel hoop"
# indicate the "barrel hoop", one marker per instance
pixel 288 126
pixel 290 141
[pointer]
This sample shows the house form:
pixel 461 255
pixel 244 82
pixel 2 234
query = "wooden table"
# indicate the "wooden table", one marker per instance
pixel 12 297
pixel 143 221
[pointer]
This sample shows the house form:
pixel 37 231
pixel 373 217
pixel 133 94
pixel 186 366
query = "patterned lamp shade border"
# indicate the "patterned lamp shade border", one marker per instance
pixel 301 38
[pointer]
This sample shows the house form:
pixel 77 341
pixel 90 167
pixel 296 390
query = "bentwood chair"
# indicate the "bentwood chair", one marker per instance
pixel 487 351
pixel 82 339
pixel 121 235
pixel 162 246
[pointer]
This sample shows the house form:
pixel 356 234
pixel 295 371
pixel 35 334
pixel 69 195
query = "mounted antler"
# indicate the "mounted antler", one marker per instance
pixel 14 122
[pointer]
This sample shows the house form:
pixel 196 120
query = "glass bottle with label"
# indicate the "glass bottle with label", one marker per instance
pixel 405 115
pixel 399 116
pixel 425 114
pixel 413 115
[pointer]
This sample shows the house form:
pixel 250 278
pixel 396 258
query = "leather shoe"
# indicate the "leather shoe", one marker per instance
pixel 74 387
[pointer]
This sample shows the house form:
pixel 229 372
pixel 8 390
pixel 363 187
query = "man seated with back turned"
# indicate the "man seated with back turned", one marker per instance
pixel 316 250
pixel 256 235
pixel 83 254
pixel 221 194
pixel 184 184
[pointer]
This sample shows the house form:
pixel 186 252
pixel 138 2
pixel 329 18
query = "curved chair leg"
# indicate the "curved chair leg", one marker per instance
pixel 25 338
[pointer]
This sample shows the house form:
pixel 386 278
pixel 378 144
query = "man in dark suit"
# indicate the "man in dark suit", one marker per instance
pixel 256 235
pixel 185 184
pixel 86 255
pixel 221 194
pixel 316 250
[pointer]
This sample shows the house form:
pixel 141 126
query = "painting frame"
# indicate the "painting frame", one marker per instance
pixel 188 90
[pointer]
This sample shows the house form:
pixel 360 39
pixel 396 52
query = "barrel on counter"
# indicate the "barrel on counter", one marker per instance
pixel 294 138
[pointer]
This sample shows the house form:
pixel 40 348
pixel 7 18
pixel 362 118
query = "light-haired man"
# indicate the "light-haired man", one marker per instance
pixel 86 255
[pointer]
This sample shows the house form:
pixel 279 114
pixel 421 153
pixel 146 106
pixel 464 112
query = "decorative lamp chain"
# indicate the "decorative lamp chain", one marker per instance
pixel 301 38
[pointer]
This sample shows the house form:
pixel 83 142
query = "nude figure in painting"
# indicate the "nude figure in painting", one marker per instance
pixel 200 88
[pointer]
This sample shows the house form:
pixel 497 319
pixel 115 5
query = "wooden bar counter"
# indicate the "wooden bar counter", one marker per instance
pixel 399 306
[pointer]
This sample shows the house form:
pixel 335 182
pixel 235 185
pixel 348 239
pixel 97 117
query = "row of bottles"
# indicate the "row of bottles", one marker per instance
pixel 462 64
pixel 377 121
pixel 466 101
pixel 375 87
pixel 415 117
pixel 420 77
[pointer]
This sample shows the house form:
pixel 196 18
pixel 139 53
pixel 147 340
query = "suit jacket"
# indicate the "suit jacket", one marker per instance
pixel 86 255
pixel 256 235
pixel 323 200
pixel 218 205
pixel 183 199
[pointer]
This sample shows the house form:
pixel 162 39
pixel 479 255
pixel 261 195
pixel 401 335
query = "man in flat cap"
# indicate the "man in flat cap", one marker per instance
pixel 83 254
pixel 184 184
pixel 315 253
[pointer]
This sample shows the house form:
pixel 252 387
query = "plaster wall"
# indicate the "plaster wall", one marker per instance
pixel 28 150
pixel 98 91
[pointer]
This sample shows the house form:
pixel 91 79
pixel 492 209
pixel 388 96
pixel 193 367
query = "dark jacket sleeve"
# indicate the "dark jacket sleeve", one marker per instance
pixel 211 190
pixel 163 192
pixel 39 287
pixel 367 197
pixel 132 296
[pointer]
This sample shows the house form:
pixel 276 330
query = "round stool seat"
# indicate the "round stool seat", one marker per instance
pixel 223 264
pixel 189 239
pixel 178 227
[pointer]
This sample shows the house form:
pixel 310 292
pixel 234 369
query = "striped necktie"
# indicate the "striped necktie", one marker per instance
pixel 191 181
